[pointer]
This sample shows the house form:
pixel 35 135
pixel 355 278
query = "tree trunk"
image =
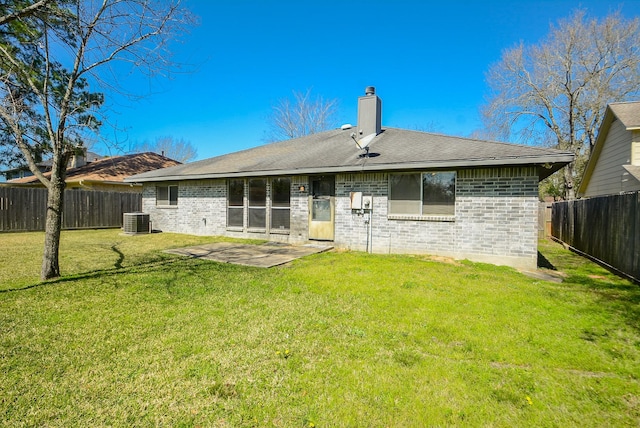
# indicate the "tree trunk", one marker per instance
pixel 569 191
pixel 53 226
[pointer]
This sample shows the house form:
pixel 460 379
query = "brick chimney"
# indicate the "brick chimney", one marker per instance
pixel 369 113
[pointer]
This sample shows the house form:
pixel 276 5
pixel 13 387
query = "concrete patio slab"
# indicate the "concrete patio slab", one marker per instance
pixel 265 255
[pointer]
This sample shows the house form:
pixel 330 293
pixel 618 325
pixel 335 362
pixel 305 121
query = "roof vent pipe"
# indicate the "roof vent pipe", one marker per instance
pixel 370 90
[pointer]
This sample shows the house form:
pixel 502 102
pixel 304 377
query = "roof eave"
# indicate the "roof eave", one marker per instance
pixel 93 181
pixel 31 184
pixel 550 163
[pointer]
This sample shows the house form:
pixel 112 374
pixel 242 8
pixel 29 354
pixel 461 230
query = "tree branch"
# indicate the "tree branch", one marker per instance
pixel 27 11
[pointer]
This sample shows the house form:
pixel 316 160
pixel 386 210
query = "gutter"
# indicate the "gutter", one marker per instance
pixel 88 184
pixel 10 184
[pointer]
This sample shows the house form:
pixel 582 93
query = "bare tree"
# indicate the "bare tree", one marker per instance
pixel 432 126
pixel 52 54
pixel 180 150
pixel 301 115
pixel 556 91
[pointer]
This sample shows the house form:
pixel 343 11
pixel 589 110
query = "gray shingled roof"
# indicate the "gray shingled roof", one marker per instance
pixel 627 113
pixel 335 151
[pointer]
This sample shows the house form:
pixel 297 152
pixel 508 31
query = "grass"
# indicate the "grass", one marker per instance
pixel 136 337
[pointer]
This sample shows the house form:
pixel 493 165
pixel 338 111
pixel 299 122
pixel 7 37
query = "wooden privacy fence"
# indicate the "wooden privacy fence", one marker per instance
pixel 24 209
pixel 606 228
pixel 544 219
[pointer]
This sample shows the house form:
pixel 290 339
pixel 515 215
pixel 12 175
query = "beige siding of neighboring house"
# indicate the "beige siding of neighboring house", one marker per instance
pixel 609 175
pixel 635 148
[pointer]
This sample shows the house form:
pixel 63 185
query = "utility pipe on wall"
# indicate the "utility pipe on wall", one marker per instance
pixel 368 206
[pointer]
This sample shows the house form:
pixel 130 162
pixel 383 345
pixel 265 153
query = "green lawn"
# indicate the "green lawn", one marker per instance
pixel 135 337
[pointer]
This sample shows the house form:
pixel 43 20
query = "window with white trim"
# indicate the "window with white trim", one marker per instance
pixel 166 195
pixel 423 194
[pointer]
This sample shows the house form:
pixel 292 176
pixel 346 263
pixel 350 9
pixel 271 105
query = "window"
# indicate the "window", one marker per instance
pixel 248 199
pixel 166 195
pixel 257 203
pixel 235 203
pixel 280 203
pixel 438 193
pixel 427 194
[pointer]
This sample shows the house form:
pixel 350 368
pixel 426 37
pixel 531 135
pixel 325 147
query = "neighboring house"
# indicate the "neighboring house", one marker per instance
pixel 107 174
pixel 412 192
pixel 614 164
pixel 45 166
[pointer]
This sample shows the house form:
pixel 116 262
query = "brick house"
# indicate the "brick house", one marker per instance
pixel 366 188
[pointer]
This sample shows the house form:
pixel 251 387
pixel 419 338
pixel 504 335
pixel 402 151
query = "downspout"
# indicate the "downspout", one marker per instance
pixel 368 209
pixel 370 234
pixel 367 222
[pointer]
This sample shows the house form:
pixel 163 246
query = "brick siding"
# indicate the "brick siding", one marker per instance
pixel 495 216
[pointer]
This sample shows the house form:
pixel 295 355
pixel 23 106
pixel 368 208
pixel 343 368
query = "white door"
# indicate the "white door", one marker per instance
pixel 322 208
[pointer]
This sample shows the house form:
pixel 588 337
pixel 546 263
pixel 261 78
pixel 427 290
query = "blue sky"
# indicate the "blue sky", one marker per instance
pixel 426 59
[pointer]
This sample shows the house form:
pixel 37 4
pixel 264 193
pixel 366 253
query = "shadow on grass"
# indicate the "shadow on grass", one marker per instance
pixel 171 264
pixel 606 287
pixel 544 263
pixel 620 296
pixel 115 249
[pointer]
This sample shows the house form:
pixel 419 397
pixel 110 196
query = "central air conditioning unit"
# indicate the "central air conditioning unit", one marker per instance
pixel 136 223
